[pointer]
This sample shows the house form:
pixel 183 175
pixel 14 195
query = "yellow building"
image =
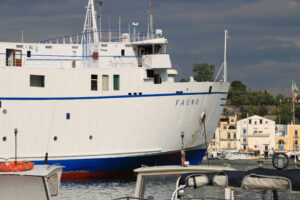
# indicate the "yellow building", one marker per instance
pixel 294 131
pixel 287 138
pixel 225 136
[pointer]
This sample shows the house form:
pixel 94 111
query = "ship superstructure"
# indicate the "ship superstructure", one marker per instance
pixel 102 104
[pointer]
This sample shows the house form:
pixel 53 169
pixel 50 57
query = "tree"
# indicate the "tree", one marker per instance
pixel 204 72
pixel 238 85
pixel 237 94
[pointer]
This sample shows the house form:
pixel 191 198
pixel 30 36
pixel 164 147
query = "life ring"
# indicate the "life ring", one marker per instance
pixel 12 167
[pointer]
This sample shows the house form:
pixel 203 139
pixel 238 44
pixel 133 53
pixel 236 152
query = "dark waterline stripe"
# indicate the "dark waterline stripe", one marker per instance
pixel 104 97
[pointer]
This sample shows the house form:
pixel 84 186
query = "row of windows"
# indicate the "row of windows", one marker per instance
pixel 39 81
pixel 255 121
pixel 105 82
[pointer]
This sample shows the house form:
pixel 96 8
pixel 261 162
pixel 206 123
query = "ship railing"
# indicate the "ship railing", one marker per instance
pixel 105 36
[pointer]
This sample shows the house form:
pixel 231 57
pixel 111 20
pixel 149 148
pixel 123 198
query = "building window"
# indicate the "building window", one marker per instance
pixel 250 121
pixel 234 135
pixel 281 144
pixel 255 122
pixel 94 82
pixel 116 82
pixel 244 146
pixel 296 133
pixel 260 121
pixel 228 135
pixel 105 82
pixel 37 81
pixel 244 131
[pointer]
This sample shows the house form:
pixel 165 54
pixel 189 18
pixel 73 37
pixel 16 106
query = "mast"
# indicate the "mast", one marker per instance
pixel 150 18
pixel 90 24
pixel 225 55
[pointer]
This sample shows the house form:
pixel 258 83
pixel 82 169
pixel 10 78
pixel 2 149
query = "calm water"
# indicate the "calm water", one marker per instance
pixel 103 189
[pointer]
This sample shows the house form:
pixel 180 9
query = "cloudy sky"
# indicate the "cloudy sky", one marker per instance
pixel 263 50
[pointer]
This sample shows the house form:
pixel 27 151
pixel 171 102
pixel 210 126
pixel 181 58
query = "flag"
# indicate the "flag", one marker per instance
pixel 295 91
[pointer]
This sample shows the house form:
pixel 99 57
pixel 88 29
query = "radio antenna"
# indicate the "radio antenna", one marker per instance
pixel 150 17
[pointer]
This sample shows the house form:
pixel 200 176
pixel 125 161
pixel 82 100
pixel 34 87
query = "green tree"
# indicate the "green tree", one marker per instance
pixel 238 85
pixel 248 112
pixel 203 72
pixel 284 115
pixel 237 94
pixel 263 111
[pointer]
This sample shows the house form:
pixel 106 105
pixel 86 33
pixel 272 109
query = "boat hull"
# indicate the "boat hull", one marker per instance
pixel 107 168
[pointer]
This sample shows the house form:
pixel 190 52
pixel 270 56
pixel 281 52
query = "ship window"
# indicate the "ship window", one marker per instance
pixel 210 89
pixel 150 73
pixel 94 82
pixel 0 104
pixel 37 81
pixel 68 116
pixel 105 82
pixel 123 52
pixel 28 54
pixel 48 47
pixel 55 138
pixel 4 139
pixel 116 82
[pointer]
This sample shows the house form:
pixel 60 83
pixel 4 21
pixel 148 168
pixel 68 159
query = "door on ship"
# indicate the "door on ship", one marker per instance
pixel 13 57
pixel 141 53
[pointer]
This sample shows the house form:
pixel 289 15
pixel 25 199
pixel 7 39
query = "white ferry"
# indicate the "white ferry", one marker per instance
pixel 103 103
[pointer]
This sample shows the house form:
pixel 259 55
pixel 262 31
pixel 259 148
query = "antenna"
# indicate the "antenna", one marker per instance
pixel 225 55
pixel 150 17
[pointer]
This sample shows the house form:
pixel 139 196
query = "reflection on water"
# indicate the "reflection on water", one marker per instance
pixel 99 189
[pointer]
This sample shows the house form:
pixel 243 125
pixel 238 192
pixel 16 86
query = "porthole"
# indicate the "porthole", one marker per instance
pixel 4 139
pixel 91 137
pixel 55 138
pixel 4 111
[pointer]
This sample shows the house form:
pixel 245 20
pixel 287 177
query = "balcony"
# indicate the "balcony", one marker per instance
pixel 226 139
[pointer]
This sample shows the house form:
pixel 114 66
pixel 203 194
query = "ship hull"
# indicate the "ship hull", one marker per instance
pixel 98 134
pixel 107 168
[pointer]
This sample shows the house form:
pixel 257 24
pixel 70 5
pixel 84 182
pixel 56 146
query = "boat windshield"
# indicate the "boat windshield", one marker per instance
pixel 161 187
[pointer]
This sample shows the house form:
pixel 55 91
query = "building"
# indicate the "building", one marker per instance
pixel 281 138
pixel 225 136
pixel 287 138
pixel 256 135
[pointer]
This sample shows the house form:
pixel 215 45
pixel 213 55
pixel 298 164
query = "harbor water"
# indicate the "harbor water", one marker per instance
pixel 110 189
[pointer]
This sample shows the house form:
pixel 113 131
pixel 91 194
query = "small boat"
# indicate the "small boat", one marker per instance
pixel 26 181
pixel 40 182
pixel 163 180
pixel 207 182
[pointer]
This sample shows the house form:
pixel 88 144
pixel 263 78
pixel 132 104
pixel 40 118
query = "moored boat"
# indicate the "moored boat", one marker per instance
pixel 103 104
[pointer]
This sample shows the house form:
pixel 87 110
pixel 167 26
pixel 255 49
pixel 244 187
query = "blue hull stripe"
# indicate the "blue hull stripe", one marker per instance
pixel 106 97
pixel 127 163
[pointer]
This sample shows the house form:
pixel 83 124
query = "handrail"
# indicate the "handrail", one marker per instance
pixel 78 38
